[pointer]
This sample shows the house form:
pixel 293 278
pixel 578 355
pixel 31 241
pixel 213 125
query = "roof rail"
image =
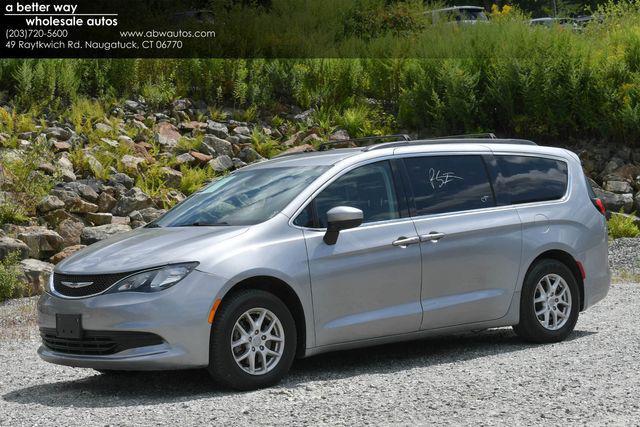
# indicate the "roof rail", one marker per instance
pixel 355 141
pixel 457 139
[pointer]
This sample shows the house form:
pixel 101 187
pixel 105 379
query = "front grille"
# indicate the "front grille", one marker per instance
pixel 99 283
pixel 98 343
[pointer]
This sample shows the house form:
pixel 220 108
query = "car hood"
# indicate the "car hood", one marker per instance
pixel 145 248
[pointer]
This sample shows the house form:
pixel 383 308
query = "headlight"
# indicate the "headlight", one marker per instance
pixel 155 280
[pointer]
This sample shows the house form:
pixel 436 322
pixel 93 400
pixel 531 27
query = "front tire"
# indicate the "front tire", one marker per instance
pixel 253 341
pixel 549 304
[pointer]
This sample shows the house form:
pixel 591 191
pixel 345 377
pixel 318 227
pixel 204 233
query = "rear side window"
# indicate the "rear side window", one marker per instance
pixel 449 184
pixel 524 179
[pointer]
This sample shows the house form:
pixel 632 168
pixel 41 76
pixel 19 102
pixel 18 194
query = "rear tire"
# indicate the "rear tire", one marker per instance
pixel 549 303
pixel 253 341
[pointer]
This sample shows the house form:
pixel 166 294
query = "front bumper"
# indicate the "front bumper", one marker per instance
pixel 178 315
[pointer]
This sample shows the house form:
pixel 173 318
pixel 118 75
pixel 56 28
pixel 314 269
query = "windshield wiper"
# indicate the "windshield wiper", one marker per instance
pixel 152 225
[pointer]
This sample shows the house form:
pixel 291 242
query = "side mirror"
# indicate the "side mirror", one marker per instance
pixel 341 218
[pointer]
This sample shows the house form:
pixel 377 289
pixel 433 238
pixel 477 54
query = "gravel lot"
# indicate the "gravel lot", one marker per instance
pixel 487 378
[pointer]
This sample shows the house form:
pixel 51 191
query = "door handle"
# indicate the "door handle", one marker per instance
pixel 432 237
pixel 403 242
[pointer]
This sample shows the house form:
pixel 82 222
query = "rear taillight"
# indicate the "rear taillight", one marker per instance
pixel 599 204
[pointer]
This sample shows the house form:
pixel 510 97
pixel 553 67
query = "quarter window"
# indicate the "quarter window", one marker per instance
pixel 523 179
pixel 369 188
pixel 449 184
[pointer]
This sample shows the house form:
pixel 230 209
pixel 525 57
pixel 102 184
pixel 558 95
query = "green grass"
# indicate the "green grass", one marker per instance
pixel 194 179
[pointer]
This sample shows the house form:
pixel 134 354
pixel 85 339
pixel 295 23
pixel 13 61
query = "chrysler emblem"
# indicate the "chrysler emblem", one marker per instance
pixel 77 284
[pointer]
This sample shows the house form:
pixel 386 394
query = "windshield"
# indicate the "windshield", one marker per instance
pixel 243 198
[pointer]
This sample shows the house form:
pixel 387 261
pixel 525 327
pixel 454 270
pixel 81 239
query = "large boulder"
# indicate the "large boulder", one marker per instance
pixel 218 129
pixel 133 200
pixel 151 214
pixel 49 203
pixel 43 243
pixel 92 235
pixel 221 163
pixel 618 187
pixel 99 218
pixel 70 231
pixel 66 253
pixel 215 146
pixel 167 134
pixel 615 202
pixel 36 274
pixel 9 245
pixel 121 179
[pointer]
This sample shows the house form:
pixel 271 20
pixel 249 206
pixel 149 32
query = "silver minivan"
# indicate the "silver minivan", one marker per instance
pixel 344 248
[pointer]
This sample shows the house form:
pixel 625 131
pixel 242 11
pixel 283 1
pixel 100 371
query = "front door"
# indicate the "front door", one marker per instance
pixel 471 250
pixel 364 286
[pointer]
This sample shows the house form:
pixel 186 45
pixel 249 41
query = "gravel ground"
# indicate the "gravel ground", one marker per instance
pixel 624 256
pixel 486 378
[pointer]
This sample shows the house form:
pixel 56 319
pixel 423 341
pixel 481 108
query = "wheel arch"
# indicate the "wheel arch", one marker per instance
pixel 568 260
pixel 284 292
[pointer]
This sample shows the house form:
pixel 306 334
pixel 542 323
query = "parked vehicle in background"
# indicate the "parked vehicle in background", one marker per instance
pixel 460 14
pixel 568 23
pixel 345 248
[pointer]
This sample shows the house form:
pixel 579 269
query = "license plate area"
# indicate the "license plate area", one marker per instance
pixel 69 326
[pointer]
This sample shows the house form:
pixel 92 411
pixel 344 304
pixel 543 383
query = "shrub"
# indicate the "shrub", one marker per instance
pixel 10 213
pixel 193 179
pixel 621 225
pixel 264 145
pixel 11 286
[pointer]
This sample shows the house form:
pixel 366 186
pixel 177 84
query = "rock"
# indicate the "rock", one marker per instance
pixel 83 190
pixel 47 168
pixel 249 155
pixel 242 139
pixel 171 176
pixel 191 126
pixel 122 179
pixel 92 235
pixel 305 116
pixel 55 217
pixel 125 139
pixel 106 202
pixel 131 163
pixel 133 200
pixel 237 163
pixel 99 218
pixel 181 104
pixel 49 203
pixel 216 147
pixel 66 253
pixel 217 129
pixel 167 134
pixel 9 245
pixel 151 214
pixel 102 127
pixel 311 139
pixel 221 163
pixel 299 149
pixel 110 142
pixel 60 146
pixel 294 139
pixel 132 106
pixel 121 220
pixel 619 187
pixel 70 231
pixel 339 135
pixel 136 216
pixel 42 242
pixel 636 203
pixel 67 175
pixel 36 274
pixel 95 165
pixel 185 159
pixel 58 133
pixel 139 125
pixel 174 197
pixel 200 157
pixel 615 202
pixel 242 130
pixel 82 207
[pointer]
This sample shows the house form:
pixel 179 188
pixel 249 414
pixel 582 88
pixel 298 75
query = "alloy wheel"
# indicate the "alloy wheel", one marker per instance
pixel 552 302
pixel 257 341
